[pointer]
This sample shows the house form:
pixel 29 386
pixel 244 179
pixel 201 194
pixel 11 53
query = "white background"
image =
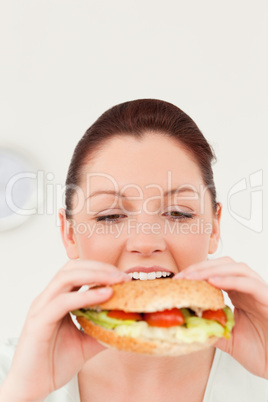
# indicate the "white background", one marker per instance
pixel 65 62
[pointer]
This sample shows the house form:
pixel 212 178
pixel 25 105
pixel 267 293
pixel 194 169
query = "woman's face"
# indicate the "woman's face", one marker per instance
pixel 143 206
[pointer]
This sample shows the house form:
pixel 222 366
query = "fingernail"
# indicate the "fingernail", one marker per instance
pixel 179 275
pixel 104 290
pixel 191 275
pixel 128 277
pixel 124 275
pixel 84 288
pixel 118 273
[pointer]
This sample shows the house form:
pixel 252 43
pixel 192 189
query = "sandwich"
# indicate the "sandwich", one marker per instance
pixel 159 317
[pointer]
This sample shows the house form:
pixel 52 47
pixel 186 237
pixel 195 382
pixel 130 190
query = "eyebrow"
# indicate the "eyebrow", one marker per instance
pixel 178 190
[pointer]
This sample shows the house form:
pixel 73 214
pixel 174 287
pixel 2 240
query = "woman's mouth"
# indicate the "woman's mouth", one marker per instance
pixel 144 276
pixel 144 273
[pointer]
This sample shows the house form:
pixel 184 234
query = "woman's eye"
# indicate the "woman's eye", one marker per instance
pixel 178 215
pixel 110 218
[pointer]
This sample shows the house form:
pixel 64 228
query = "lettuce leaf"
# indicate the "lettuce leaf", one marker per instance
pixel 195 329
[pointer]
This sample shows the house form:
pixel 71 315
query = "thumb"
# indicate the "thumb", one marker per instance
pixel 226 345
pixel 91 346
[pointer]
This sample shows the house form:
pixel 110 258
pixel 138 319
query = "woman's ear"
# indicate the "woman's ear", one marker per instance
pixel 215 235
pixel 67 235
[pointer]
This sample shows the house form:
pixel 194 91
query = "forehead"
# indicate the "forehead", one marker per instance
pixel 154 159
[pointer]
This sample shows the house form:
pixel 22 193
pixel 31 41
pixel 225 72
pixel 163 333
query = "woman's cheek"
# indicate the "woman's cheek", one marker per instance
pixel 99 242
pixel 189 248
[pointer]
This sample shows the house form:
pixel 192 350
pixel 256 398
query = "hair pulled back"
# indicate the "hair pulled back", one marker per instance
pixel 135 118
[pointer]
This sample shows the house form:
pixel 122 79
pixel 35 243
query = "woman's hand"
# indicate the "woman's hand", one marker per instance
pixel 51 350
pixel 249 295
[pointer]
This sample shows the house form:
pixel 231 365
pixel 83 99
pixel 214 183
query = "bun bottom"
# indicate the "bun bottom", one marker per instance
pixel 141 345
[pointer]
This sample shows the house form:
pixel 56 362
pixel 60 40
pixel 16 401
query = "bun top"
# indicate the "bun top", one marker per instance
pixel 161 294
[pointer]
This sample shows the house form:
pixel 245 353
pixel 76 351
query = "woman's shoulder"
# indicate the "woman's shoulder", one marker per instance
pixel 230 381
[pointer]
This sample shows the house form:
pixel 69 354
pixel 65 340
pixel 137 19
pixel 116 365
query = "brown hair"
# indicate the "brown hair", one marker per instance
pixel 135 118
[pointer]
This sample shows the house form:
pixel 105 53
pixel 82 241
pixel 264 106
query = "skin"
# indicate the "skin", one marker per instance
pixel 133 240
pixel 49 340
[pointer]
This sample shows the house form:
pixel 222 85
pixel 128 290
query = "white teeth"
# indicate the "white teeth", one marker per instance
pixel 151 275
pixel 144 276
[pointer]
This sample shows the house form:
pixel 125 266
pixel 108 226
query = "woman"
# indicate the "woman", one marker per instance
pixel 140 193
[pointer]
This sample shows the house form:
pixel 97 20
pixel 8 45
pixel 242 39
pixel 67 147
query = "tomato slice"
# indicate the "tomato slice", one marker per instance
pixel 165 318
pixel 217 315
pixel 122 315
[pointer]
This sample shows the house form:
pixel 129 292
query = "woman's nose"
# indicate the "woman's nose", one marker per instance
pixel 146 239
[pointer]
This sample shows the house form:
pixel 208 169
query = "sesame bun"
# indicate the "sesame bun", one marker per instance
pixel 161 294
pixel 150 296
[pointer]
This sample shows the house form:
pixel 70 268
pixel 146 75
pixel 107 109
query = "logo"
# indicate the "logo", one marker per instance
pixel 252 188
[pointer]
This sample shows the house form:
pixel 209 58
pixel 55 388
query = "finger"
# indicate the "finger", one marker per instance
pixel 226 345
pixel 74 264
pixel 66 281
pixel 89 345
pixel 246 285
pixel 67 302
pixel 235 269
pixel 203 265
pixel 91 264
pixel 69 280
